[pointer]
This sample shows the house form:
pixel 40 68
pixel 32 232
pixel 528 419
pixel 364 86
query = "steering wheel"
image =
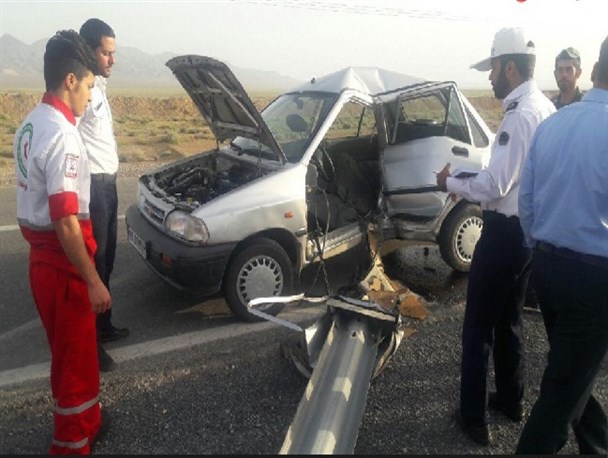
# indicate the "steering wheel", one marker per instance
pixel 324 164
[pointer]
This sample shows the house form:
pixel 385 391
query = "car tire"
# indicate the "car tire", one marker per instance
pixel 459 234
pixel 262 268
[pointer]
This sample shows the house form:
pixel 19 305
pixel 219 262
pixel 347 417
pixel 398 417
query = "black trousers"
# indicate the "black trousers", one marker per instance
pixel 104 212
pixel 573 298
pixel 499 275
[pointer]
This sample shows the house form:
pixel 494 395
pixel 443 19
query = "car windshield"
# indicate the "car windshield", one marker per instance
pixel 293 120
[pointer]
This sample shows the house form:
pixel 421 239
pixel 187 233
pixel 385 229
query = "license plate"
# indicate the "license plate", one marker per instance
pixel 136 241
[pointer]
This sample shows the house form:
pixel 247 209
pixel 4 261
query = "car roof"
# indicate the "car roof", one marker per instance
pixel 368 80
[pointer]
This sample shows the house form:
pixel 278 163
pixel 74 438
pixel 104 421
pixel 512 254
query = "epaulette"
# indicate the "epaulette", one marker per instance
pixel 512 106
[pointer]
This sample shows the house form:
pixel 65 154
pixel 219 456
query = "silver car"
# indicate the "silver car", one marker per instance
pixel 321 168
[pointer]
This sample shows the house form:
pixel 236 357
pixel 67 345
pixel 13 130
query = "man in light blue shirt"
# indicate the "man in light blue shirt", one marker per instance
pixel 563 210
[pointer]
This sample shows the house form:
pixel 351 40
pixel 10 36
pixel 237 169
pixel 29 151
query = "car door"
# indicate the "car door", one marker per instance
pixel 427 126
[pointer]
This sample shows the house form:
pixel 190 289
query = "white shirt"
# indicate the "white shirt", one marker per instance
pixel 496 187
pixel 97 130
pixel 51 167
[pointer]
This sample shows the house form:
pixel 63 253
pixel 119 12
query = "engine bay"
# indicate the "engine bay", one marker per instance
pixel 196 182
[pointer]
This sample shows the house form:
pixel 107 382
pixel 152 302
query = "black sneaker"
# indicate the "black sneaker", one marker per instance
pixel 111 334
pixel 106 363
pixel 514 412
pixel 479 434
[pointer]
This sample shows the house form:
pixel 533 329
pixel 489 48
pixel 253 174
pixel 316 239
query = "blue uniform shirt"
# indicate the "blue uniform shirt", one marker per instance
pixel 563 196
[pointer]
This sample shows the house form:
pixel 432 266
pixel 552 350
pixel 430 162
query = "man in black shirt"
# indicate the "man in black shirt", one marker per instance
pixel 567 71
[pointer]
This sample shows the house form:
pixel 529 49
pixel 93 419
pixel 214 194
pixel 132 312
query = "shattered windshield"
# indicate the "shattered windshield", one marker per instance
pixel 293 120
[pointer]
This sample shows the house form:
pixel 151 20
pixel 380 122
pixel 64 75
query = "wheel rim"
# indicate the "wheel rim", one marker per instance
pixel 260 276
pixel 467 235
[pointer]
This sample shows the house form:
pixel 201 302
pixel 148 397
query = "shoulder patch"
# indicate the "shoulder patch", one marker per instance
pixel 503 139
pixel 71 166
pixel 511 106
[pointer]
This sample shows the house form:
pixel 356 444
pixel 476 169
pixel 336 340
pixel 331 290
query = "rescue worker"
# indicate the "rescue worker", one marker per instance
pixel 500 265
pixel 52 172
pixel 567 72
pixel 97 132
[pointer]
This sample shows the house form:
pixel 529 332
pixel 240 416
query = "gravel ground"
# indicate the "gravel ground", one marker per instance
pixel 239 397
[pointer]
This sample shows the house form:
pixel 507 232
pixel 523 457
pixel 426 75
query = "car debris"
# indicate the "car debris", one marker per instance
pixel 346 347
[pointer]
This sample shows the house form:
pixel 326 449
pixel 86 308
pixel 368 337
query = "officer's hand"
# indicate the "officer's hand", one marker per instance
pixel 99 297
pixel 442 177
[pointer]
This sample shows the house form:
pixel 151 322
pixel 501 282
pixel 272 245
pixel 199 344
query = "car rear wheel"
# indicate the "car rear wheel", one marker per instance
pixel 458 236
pixel 260 269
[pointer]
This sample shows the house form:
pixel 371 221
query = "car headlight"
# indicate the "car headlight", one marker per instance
pixel 187 227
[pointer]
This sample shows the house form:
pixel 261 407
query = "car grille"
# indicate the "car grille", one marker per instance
pixel 152 213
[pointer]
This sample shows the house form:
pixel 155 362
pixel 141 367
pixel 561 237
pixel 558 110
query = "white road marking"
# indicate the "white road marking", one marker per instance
pixel 159 346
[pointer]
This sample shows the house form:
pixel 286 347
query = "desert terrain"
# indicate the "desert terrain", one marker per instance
pixel 151 129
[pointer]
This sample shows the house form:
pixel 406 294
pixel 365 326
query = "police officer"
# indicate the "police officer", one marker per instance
pixel 96 129
pixel 52 172
pixel 500 265
pixel 567 72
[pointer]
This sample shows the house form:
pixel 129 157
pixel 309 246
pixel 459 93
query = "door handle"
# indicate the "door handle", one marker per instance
pixel 460 151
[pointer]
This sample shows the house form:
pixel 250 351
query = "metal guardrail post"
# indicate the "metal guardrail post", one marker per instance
pixel 329 414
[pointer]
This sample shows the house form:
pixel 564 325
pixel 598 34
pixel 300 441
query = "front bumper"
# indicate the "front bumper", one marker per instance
pixel 194 269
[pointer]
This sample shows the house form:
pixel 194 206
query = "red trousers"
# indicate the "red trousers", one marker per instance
pixel 65 310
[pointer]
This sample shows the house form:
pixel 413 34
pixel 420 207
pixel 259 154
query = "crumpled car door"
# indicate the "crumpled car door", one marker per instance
pixel 427 127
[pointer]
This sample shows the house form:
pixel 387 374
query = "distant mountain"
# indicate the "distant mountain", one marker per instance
pixel 21 68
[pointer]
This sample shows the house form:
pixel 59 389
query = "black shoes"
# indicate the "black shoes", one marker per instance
pixel 106 420
pixel 513 412
pixel 111 334
pixel 479 434
pixel 106 363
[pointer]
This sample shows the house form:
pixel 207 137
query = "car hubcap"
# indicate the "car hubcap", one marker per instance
pixel 259 277
pixel 467 236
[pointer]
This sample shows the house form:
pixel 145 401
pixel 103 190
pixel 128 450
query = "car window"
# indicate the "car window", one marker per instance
pixel 456 123
pixel 479 137
pixel 293 119
pixel 354 120
pixel 431 114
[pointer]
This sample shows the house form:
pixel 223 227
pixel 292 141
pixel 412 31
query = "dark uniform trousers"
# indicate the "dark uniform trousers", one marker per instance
pixel 499 275
pixel 104 212
pixel 573 298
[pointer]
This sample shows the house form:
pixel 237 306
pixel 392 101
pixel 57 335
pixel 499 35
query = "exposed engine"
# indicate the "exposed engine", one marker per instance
pixel 196 182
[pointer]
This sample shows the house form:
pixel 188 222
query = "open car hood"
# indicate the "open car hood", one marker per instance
pixel 222 100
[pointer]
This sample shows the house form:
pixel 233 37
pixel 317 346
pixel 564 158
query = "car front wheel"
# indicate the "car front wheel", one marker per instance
pixel 260 269
pixel 458 236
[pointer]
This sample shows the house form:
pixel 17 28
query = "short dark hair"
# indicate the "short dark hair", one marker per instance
pixel 93 30
pixel 569 54
pixel 524 63
pixel 67 52
pixel 602 63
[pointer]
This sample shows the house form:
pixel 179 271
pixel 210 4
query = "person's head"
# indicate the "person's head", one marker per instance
pixel 567 69
pixel 511 61
pixel 599 75
pixel 102 40
pixel 69 67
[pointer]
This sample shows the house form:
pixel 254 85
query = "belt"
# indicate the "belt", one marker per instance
pixel 109 177
pixel 566 253
pixel 494 216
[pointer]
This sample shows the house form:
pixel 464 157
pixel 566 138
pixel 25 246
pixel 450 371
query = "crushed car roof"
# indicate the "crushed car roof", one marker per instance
pixel 368 80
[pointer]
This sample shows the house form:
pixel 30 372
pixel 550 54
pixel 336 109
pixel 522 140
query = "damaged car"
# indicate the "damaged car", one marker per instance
pixel 322 167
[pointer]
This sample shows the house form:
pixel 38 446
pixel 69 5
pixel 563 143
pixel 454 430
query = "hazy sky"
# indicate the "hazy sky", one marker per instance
pixel 434 39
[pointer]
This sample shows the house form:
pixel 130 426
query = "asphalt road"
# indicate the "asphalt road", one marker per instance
pixel 191 379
